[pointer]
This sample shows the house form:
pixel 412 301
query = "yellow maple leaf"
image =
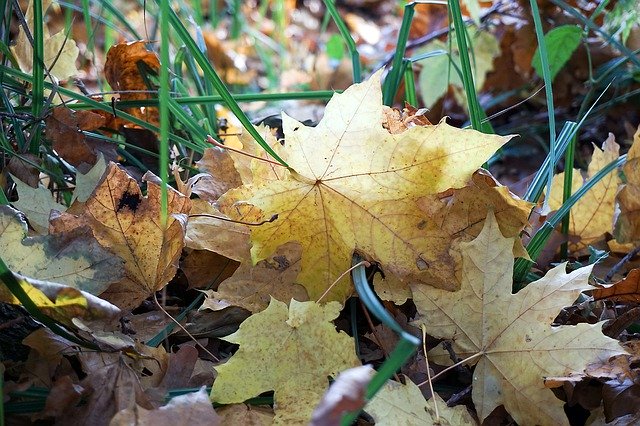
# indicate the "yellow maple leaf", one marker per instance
pixel 510 336
pixel 592 215
pixel 398 404
pixel 129 224
pixel 291 351
pixel 353 185
pixel 627 223
pixel 60 52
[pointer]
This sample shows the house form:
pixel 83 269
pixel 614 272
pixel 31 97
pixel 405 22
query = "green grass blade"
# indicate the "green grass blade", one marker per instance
pixel 392 81
pixel 164 97
pixel 410 84
pixel 346 36
pixel 37 99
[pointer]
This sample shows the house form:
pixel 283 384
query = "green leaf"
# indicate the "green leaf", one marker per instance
pixel 561 43
pixel 335 47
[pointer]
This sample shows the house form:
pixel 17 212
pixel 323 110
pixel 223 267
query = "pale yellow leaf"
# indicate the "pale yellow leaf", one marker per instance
pixel 627 222
pixel 509 335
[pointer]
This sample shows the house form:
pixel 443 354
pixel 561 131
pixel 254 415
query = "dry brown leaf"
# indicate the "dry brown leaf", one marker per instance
pixel 193 409
pixel 249 415
pixel 64 127
pixel 252 286
pixel 122 71
pixel 130 225
pixel 205 268
pixel 509 336
pixel 627 222
pixel 626 290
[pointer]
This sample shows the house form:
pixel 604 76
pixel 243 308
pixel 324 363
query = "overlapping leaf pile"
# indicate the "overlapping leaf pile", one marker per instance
pixel 406 194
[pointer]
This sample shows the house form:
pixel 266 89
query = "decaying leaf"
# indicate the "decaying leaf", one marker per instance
pixel 626 290
pixel 347 393
pixel 206 269
pixel 193 409
pixel 242 414
pixel 398 404
pixel 510 336
pixel 627 222
pixel 252 286
pixel 357 190
pixel 130 225
pixel 592 216
pixel 125 69
pixel 72 258
pixel 64 127
pixel 291 351
pixel 86 183
pixel 61 302
pixel 60 51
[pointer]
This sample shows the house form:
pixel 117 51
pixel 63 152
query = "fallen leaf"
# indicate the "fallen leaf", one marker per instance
pixel 209 229
pixel 347 393
pixel 440 71
pixel 206 269
pixel 252 286
pixel 126 69
pixel 36 204
pixel 86 183
pixel 282 343
pixel 627 221
pixel 398 404
pixel 61 302
pixel 192 409
pixel 357 190
pixel 242 414
pixel 591 217
pixel 509 336
pixel 626 290
pixel 60 51
pixel 23 167
pixel 219 164
pixel 72 258
pixel 130 225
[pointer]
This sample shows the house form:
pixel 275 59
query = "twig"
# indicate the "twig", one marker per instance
pixel 364 262
pixel 620 264
pixel 273 218
pixel 426 360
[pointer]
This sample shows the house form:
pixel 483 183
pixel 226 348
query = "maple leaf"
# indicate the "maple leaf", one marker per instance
pixel 398 404
pixel 72 258
pixel 510 335
pixel 129 224
pixel 592 215
pixel 627 222
pixel 291 351
pixel 353 185
pixel 60 52
pixel 36 204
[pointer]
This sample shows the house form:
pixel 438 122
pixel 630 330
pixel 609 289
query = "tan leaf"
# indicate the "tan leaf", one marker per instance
pixel 592 216
pixel 130 225
pixel 205 268
pixel 510 336
pixel 241 414
pixel 252 287
pixel 36 204
pixel 627 222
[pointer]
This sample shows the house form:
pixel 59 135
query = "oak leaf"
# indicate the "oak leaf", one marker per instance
pixel 353 185
pixel 130 225
pixel 510 336
pixel 627 222
pixel 592 216
pixel 291 351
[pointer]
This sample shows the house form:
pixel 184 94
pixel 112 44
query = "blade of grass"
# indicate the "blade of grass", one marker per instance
pixel 210 73
pixel 164 97
pixel 346 36
pixel 37 99
pixel 537 243
pixel 410 84
pixel 392 81
pixel 405 348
